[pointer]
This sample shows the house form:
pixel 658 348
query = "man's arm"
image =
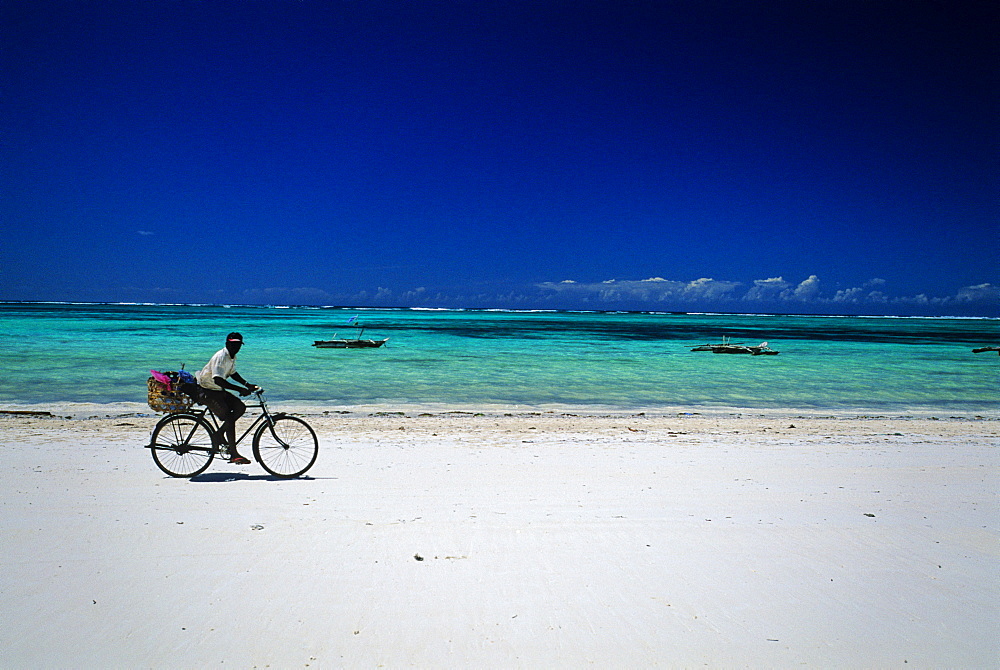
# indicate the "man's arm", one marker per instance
pixel 233 387
pixel 237 377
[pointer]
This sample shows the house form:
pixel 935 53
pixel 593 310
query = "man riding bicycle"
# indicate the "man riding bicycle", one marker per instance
pixel 213 380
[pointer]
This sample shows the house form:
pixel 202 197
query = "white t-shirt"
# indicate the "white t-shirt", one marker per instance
pixel 220 365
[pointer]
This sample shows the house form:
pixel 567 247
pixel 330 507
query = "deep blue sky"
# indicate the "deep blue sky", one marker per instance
pixel 835 157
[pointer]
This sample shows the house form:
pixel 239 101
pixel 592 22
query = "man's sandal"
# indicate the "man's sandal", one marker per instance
pixel 239 460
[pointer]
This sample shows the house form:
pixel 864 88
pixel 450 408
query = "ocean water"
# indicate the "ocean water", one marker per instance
pixel 58 353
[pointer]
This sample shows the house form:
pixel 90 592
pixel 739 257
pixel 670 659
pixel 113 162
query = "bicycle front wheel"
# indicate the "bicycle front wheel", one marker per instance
pixel 288 448
pixel 182 445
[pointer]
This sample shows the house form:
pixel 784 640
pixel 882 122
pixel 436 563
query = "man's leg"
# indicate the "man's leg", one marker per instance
pixel 234 410
pixel 226 411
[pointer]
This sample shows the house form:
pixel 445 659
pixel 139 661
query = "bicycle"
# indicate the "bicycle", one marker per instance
pixel 183 444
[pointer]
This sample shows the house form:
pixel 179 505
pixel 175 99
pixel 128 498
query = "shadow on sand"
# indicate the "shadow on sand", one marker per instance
pixel 217 477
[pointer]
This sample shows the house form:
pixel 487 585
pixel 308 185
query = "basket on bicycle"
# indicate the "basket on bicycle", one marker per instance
pixel 162 398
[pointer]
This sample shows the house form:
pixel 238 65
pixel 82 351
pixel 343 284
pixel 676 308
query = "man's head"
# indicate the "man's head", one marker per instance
pixel 233 343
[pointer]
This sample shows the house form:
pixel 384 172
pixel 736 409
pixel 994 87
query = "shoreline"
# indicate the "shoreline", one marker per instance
pixel 86 410
pixel 386 425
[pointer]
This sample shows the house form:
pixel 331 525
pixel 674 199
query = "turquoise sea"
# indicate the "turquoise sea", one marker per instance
pixel 58 353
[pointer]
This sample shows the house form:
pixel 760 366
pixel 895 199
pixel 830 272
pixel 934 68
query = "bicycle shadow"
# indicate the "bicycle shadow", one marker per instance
pixel 221 477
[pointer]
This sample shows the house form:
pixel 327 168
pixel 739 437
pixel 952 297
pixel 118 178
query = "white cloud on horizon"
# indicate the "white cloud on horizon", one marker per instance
pixel 654 289
pixel 864 294
pixel 769 289
pixel 979 293
pixel 776 289
pixel 808 290
pixel 762 291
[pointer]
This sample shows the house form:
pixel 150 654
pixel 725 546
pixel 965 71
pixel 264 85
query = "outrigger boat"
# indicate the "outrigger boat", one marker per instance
pixel 713 347
pixel 727 347
pixel 356 343
pixel 349 344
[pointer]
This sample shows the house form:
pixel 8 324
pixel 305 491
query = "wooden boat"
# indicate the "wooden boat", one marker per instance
pixel 712 347
pixel 356 343
pixel 984 349
pixel 349 344
pixel 727 347
pixel 759 350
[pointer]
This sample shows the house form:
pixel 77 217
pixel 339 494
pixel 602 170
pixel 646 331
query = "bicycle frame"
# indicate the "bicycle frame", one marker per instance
pixel 264 417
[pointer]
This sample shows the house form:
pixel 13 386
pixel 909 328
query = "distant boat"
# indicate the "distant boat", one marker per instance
pixel 727 347
pixel 982 349
pixel 712 347
pixel 355 343
pixel 349 344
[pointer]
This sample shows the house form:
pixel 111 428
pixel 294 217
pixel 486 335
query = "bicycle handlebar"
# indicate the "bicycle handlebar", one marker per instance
pixel 258 393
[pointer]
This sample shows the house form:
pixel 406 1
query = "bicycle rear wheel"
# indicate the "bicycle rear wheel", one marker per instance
pixel 182 445
pixel 288 448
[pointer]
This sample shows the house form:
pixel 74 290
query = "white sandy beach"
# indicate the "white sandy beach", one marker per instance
pixel 511 539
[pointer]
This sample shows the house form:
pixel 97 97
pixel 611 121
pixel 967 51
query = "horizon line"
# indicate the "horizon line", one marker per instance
pixel 491 309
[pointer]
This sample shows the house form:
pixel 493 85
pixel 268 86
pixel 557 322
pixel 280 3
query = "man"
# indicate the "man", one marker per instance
pixel 213 380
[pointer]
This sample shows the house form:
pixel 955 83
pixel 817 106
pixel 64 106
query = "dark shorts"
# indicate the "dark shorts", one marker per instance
pixel 224 405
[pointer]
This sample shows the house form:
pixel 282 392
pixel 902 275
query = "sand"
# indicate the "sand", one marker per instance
pixel 509 539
